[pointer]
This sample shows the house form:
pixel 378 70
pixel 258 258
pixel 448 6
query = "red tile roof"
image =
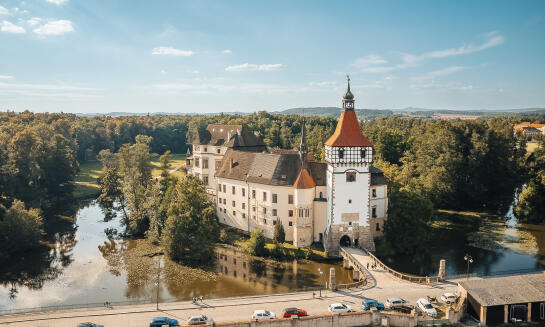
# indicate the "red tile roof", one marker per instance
pixel 348 132
pixel 304 180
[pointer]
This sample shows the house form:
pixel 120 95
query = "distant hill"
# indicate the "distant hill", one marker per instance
pixel 335 112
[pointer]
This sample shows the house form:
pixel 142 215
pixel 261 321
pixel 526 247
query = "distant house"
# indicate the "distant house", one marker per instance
pixel 531 130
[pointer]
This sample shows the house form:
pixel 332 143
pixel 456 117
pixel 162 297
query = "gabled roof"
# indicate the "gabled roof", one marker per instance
pixel 280 168
pixel 232 136
pixel 304 180
pixel 348 132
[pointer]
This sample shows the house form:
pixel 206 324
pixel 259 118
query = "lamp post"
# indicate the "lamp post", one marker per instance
pixel 321 274
pixel 158 282
pixel 469 260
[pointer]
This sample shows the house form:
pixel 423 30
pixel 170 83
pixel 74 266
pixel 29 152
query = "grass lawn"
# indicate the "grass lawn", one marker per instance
pixel 86 180
pixel 531 146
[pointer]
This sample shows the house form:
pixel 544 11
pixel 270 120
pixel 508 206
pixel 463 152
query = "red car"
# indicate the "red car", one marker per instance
pixel 288 312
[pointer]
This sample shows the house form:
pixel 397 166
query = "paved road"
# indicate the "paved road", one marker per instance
pixel 228 309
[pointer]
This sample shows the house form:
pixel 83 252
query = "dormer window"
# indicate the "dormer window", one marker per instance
pixel 341 154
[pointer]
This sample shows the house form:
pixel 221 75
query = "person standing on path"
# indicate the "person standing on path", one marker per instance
pixel 368 266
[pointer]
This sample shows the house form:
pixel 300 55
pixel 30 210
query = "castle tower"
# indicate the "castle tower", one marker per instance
pixel 303 198
pixel 348 154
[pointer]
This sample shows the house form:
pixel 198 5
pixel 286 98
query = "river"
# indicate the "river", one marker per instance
pixel 81 265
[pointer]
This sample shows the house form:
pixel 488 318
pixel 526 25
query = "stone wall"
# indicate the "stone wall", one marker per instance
pixel 361 233
pixel 374 318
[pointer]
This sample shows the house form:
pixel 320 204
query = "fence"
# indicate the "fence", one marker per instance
pixel 403 276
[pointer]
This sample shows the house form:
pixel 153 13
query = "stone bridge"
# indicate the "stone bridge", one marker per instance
pixel 361 262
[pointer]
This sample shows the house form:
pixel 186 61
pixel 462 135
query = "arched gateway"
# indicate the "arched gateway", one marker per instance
pixel 345 241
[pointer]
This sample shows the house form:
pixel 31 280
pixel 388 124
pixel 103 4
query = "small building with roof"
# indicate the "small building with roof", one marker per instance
pixel 340 202
pixel 505 299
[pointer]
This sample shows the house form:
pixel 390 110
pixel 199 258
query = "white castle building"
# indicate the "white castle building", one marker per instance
pixel 340 202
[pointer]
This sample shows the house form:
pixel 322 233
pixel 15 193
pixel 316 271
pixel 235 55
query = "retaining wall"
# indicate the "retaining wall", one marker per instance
pixel 366 318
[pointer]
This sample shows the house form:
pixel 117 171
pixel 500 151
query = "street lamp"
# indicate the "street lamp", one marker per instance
pixel 321 274
pixel 469 260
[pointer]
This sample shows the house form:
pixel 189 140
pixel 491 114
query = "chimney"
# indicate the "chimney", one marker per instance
pixel 231 163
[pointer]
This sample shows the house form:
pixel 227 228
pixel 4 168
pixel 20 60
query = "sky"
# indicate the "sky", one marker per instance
pixel 224 56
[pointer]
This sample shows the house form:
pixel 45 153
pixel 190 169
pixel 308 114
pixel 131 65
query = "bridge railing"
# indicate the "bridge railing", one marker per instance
pixel 400 275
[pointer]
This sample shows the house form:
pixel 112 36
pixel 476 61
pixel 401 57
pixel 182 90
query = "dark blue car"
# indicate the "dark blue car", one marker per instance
pixel 163 321
pixel 368 304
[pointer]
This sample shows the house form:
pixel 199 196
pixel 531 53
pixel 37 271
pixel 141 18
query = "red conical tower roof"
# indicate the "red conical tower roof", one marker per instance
pixel 304 180
pixel 348 132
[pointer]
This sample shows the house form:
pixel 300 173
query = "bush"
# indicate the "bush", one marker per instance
pixel 224 237
pixel 279 233
pixel 256 244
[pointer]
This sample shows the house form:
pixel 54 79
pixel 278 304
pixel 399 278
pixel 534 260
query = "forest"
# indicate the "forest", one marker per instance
pixel 472 164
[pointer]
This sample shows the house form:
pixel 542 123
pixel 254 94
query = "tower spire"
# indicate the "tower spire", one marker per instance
pixel 303 148
pixel 348 98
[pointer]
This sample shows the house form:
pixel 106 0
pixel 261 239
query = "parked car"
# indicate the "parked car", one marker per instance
pixel 395 302
pixel 288 312
pixel 163 321
pixel 263 314
pixel 367 304
pixel 89 324
pixel 199 320
pixel 426 307
pixel 448 298
pixel 339 307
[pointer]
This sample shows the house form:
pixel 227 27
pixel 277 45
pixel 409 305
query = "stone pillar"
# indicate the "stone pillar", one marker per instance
pixel 442 269
pixel 505 313
pixel 483 316
pixel 332 281
pixel 529 311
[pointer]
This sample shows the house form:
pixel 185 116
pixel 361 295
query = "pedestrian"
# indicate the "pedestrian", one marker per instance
pixel 201 298
pixel 368 266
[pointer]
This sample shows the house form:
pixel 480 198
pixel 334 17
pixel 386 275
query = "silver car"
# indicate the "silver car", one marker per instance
pixel 395 302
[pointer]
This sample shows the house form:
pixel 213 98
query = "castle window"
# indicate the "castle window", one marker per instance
pixel 243 191
pixel 290 199
pixel 224 210
pixel 196 161
pixel 290 223
pixel 233 190
pixel 374 212
pixel 253 209
pixel 274 212
pixel 290 213
pixel 341 154
pixel 351 177
pixel 265 221
pixel 307 212
pixel 224 201
pixel 378 227
pixel 349 200
pixel 374 192
pixel 264 210
pixel 234 204
pixel 363 152
pixel 264 196
pixel 234 213
pixel 219 151
pixel 205 149
pixel 301 212
pixel 205 163
pixel 243 205
pixel 274 222
pixel 205 180
pixel 253 194
pixel 243 216
pixel 321 195
pixel 275 198
pixel 224 188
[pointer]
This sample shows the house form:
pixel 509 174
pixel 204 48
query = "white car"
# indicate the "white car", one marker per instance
pixel 263 314
pixel 339 307
pixel 199 320
pixel 426 306
pixel 395 302
pixel 448 298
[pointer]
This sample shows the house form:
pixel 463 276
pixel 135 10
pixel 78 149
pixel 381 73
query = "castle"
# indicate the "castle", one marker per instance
pixel 341 202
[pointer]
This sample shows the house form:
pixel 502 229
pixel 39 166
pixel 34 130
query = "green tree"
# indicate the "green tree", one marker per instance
pixel 191 229
pixel 256 244
pixel 279 233
pixel 20 229
pixel 531 203
pixel 408 215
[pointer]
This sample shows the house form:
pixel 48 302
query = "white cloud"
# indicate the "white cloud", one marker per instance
pixel 441 72
pixel 11 28
pixel 6 77
pixel 253 67
pixel 47 90
pixel 34 21
pixel 57 2
pixel 227 51
pixel 375 64
pixel 55 27
pixel 4 11
pixel 169 51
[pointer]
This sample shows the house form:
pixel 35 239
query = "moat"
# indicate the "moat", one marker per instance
pixel 81 265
